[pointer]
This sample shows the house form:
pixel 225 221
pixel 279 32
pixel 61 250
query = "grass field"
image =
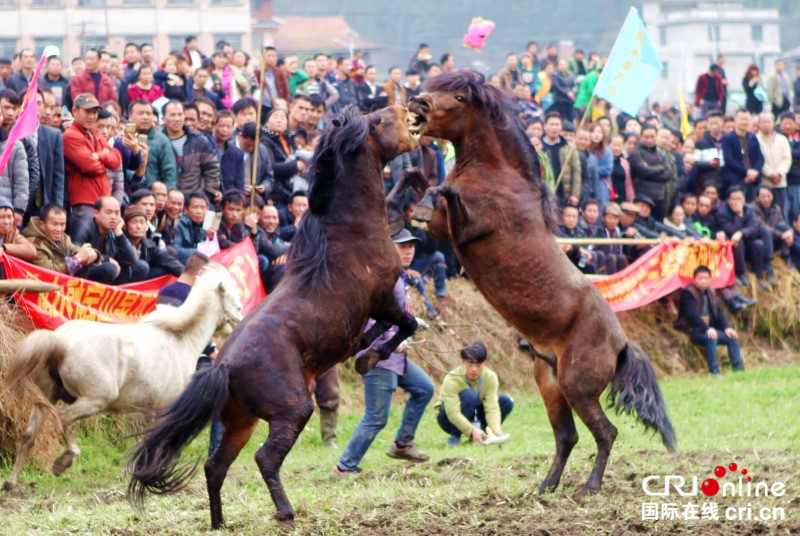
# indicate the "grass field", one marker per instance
pixel 749 418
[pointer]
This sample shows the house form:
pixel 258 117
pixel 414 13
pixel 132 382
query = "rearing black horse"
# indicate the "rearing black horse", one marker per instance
pixel 341 271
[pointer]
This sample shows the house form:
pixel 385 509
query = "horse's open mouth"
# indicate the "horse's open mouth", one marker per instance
pixel 416 124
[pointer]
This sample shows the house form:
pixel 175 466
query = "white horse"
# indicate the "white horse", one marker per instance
pixel 127 368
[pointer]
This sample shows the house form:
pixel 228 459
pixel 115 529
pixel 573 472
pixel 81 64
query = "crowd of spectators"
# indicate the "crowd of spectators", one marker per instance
pixel 132 153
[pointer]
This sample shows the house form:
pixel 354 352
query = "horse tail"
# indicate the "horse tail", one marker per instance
pixel 40 352
pixel 153 464
pixel 635 388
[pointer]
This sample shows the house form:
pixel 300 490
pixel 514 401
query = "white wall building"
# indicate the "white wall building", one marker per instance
pixel 689 35
pixel 75 25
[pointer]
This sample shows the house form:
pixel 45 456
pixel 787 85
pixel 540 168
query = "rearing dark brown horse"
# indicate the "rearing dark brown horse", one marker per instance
pixel 341 271
pixel 495 210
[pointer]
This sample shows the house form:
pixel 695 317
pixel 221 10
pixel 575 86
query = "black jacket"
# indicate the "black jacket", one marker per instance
pixel 153 255
pixel 270 245
pixel 51 165
pixel 114 247
pixel 370 101
pixel 650 171
pixel 689 318
pixel 284 166
pixel 747 223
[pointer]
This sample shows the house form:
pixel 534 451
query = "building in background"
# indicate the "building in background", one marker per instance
pixel 76 25
pixel 690 35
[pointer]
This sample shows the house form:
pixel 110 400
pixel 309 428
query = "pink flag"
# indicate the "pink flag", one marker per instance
pixel 27 118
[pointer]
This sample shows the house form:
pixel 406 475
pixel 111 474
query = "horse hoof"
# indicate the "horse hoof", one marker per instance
pixel 285 520
pixel 422 213
pixel 586 490
pixel 367 362
pixel 62 463
pixel 12 488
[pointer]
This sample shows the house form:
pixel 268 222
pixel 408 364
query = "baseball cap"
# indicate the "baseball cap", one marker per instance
pixel 86 101
pixel 6 203
pixel 613 209
pixel 627 206
pixel 403 235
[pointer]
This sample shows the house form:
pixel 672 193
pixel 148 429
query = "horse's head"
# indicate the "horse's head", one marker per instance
pixel 388 131
pixel 229 298
pixel 451 102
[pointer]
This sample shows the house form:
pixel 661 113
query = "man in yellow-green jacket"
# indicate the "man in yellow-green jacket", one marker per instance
pixel 468 401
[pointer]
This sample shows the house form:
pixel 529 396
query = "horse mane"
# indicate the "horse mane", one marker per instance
pixel 497 106
pixel 182 320
pixel 308 253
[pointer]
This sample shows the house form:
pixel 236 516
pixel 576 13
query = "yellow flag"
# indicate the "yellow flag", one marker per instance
pixel 686 125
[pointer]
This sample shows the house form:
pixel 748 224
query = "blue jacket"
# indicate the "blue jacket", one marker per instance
pixel 734 170
pixel 231 167
pixel 51 165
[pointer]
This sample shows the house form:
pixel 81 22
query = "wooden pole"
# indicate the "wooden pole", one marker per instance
pixel 13 286
pixel 608 241
pixel 254 174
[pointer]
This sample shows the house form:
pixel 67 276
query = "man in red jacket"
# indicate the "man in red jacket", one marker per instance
pixel 709 92
pixel 87 155
pixel 92 81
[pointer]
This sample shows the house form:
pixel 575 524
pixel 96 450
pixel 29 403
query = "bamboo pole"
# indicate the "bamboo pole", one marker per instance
pixel 254 174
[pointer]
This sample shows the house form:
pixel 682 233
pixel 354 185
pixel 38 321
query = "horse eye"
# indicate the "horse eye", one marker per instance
pixel 459 98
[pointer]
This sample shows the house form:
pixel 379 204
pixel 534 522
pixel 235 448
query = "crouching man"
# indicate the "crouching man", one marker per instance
pixel 468 401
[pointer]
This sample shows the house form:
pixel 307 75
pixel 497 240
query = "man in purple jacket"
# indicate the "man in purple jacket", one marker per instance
pixel 381 382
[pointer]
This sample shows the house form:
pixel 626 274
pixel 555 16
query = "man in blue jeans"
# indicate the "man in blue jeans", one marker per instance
pixel 381 382
pixel 701 316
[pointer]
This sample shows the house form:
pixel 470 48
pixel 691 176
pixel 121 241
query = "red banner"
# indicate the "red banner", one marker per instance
pixel 664 269
pixel 84 299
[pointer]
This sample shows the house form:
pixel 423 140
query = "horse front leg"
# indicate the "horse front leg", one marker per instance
pixel 81 408
pixel 411 178
pixel 406 326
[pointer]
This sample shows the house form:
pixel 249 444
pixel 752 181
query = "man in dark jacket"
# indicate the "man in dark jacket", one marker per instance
pixel 104 233
pixel 265 182
pixel 775 232
pixel 708 159
pixel 651 171
pixel 231 160
pixel 701 316
pixel 581 257
pixel 742 157
pixel 735 221
pixel 198 165
pixel 298 205
pixel 371 95
pixel 157 260
pixel 231 229
pixel 564 88
pixel 270 247
pixel 189 232
pixel 19 81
